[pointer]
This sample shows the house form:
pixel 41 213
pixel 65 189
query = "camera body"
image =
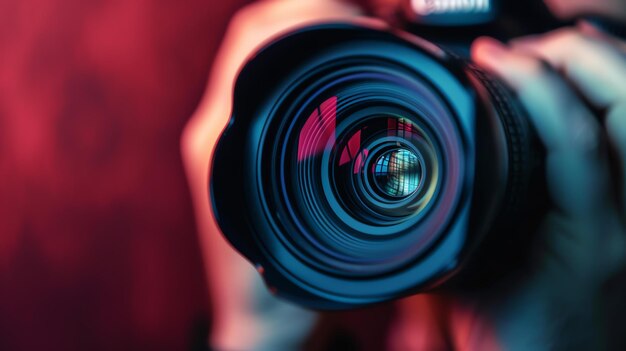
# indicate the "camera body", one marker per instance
pixel 363 163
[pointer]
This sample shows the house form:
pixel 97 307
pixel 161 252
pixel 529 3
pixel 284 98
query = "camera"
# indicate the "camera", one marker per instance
pixel 363 163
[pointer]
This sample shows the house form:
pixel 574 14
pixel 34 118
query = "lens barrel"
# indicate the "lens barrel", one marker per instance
pixel 361 165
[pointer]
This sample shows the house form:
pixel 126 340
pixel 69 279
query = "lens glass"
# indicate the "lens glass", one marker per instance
pixel 385 168
pixel 397 173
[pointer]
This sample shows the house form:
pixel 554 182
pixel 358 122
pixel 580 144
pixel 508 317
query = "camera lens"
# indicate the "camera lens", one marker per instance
pixel 367 153
pixel 397 173
pixel 359 166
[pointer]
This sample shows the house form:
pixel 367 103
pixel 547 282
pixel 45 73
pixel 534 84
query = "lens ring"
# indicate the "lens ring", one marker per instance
pixel 366 199
pixel 346 243
pixel 346 209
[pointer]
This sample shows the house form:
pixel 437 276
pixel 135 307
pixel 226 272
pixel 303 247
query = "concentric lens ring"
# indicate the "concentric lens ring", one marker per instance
pixel 338 128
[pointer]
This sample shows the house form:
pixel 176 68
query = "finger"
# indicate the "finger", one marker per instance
pixel 596 33
pixel 598 68
pixel 576 174
pixel 554 108
pixel 595 66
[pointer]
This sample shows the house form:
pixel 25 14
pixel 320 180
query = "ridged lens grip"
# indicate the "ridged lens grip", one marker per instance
pixel 521 142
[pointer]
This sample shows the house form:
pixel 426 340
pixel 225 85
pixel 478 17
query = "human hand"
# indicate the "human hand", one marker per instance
pixel 562 79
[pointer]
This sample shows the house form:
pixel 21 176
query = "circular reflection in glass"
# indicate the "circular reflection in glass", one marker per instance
pixel 397 173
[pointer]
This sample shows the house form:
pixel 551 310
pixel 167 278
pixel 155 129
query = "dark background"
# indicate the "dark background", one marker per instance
pixel 98 249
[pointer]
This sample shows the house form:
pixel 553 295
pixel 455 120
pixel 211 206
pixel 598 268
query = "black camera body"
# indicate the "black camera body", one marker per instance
pixel 363 163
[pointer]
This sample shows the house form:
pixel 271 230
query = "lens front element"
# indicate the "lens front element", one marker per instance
pixel 397 173
pixel 368 168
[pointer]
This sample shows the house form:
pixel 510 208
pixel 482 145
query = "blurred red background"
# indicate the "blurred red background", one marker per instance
pixel 98 249
pixel 98 246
